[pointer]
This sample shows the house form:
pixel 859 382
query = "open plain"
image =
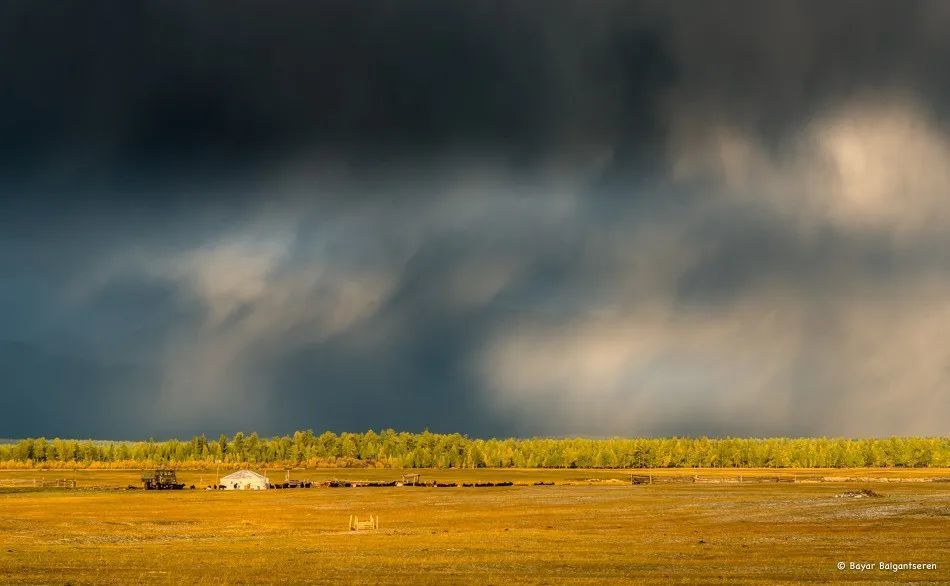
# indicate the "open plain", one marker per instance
pixel 590 527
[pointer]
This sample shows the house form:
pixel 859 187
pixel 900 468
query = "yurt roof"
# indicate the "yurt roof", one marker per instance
pixel 244 475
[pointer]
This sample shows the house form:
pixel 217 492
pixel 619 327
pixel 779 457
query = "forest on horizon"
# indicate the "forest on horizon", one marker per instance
pixel 392 449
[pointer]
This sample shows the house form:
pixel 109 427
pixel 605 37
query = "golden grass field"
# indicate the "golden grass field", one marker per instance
pixel 590 528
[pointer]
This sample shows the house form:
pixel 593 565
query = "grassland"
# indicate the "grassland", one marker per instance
pixel 590 528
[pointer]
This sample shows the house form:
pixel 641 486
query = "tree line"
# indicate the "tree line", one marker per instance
pixel 389 448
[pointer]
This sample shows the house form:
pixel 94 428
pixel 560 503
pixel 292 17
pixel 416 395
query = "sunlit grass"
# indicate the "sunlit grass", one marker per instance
pixel 588 532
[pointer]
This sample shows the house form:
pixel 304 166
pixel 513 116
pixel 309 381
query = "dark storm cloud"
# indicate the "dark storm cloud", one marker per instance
pixel 102 94
pixel 775 64
pixel 490 217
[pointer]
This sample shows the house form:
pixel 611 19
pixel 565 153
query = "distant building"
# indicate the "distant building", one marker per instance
pixel 244 480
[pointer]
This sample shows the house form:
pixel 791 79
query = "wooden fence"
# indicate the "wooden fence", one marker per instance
pixel 357 525
pixel 701 479
pixel 37 482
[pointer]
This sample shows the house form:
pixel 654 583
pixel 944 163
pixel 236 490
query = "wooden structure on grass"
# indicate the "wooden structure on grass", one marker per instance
pixel 357 525
pixel 709 479
pixel 288 483
pixel 39 482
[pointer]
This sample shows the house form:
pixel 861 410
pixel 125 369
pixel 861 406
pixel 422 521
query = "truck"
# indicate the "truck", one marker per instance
pixel 161 479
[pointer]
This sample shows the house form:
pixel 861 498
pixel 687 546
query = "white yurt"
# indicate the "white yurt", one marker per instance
pixel 244 480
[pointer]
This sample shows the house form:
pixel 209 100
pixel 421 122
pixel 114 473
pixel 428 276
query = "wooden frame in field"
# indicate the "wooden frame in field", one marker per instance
pixel 357 525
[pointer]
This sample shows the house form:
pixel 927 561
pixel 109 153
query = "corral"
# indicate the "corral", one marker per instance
pixel 590 526
pixel 357 525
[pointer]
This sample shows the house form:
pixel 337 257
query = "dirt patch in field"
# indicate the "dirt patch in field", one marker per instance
pixel 859 494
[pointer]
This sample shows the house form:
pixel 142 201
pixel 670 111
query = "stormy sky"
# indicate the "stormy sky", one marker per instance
pixel 497 218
